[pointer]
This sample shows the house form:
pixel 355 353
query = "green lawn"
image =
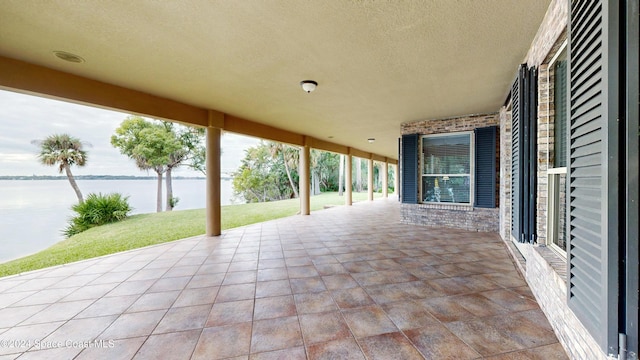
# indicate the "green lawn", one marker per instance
pixel 155 228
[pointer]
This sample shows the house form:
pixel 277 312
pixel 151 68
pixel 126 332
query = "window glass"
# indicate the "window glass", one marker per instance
pixel 559 239
pixel 560 110
pixel 446 168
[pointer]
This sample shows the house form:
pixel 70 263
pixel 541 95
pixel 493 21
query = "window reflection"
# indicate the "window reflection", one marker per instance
pixel 446 168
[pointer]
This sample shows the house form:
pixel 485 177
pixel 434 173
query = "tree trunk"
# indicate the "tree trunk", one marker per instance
pixel 159 193
pixel 169 204
pixel 286 168
pixel 315 180
pixel 376 178
pixel 73 183
pixel 358 175
pixel 340 175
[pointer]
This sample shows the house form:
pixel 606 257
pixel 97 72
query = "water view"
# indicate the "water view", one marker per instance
pixel 33 212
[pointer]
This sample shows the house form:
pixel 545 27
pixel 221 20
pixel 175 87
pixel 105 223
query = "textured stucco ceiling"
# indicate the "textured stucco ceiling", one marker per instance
pixel 378 63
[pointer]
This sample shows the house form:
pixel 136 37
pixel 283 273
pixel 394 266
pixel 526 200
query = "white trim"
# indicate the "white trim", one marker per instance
pixel 447 134
pixel 560 170
pixel 449 175
pixel 560 50
pixel 553 197
pixel 556 249
pixel 553 173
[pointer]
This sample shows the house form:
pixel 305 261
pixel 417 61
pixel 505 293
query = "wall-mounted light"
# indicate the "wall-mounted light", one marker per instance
pixel 308 85
pixel 371 140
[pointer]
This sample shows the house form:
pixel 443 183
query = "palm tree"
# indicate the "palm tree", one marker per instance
pixel 290 157
pixel 65 151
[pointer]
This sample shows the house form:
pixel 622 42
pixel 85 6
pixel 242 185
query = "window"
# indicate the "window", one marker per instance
pixel 557 171
pixel 560 110
pixel 447 167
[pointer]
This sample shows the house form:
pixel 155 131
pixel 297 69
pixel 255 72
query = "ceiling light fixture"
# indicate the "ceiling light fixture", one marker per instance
pixel 66 56
pixel 371 140
pixel 308 85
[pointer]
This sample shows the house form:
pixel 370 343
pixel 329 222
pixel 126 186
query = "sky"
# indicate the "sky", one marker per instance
pixel 24 118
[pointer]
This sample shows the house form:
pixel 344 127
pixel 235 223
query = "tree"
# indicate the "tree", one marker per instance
pixel 268 172
pixel 314 157
pixel 263 177
pixel 341 175
pixel 148 144
pixel 325 170
pixel 65 151
pixel 191 152
pixel 358 164
pixel 290 158
pixel 160 146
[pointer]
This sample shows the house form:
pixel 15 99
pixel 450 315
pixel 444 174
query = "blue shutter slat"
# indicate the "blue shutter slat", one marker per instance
pixel 516 156
pixel 410 168
pixel 485 167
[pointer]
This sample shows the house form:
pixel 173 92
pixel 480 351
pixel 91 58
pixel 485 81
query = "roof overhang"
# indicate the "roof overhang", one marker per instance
pixel 378 64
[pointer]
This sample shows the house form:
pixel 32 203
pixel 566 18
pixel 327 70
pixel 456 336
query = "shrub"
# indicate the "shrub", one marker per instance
pixel 96 210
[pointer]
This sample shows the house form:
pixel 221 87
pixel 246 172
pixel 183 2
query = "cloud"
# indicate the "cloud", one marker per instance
pixel 24 118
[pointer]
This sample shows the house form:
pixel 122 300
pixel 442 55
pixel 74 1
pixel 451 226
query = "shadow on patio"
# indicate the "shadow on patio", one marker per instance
pixel 348 282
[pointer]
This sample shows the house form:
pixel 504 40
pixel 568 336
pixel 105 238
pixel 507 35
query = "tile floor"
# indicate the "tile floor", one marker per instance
pixel 343 283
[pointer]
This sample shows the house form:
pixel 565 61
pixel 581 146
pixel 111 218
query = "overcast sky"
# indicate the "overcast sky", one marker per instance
pixel 24 118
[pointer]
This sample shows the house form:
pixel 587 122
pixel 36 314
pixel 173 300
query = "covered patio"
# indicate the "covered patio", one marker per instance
pixel 349 282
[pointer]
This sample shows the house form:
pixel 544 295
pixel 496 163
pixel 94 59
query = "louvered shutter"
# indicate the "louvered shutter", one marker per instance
pixel 631 201
pixel 516 154
pixel 531 175
pixel 410 168
pixel 485 167
pixel 592 168
pixel 524 153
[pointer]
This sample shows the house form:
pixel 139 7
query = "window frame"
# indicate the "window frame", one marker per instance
pixel 471 168
pixel 554 173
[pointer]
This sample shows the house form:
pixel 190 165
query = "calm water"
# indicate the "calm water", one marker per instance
pixel 33 212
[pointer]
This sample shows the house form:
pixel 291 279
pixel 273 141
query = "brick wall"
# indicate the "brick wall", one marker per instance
pixel 550 289
pixel 449 125
pixel 505 173
pixel 447 215
pixel 545 145
pixel 450 216
pixel 552 27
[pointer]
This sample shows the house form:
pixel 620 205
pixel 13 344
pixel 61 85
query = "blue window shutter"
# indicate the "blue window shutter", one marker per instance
pixel 592 169
pixel 485 167
pixel 410 168
pixel 517 148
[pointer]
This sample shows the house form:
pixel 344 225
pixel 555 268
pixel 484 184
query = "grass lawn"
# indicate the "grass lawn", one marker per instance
pixel 155 228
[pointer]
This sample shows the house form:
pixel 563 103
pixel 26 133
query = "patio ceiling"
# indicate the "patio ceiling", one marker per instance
pixel 378 64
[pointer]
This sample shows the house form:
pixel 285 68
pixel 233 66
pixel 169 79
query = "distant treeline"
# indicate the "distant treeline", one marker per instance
pixel 92 177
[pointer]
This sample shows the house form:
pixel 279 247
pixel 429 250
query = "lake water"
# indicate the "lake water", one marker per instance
pixel 33 212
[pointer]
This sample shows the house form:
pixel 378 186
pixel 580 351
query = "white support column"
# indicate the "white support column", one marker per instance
pixel 385 180
pixel 305 186
pixel 348 199
pixel 214 227
pixel 370 180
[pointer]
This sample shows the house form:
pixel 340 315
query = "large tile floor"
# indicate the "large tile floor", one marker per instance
pixel 344 283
